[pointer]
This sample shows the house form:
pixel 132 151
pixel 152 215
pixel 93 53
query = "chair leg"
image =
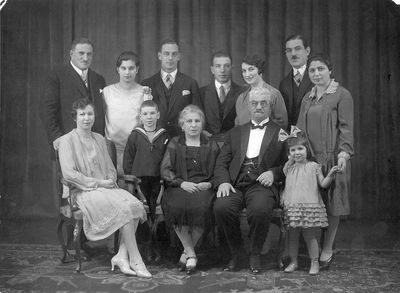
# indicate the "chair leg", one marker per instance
pixel 77 242
pixel 61 239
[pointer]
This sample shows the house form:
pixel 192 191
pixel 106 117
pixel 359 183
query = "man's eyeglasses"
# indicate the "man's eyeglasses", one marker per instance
pixel 263 104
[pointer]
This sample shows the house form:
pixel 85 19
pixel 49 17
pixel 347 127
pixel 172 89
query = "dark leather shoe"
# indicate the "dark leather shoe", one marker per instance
pixel 255 264
pixel 324 265
pixel 232 264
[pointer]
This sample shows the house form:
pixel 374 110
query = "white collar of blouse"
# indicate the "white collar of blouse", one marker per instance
pixel 331 89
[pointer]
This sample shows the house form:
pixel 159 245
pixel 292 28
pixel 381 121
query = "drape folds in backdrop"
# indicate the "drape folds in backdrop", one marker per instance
pixel 362 38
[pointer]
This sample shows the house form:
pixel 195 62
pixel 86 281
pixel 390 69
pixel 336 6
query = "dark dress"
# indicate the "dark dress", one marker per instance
pixel 192 164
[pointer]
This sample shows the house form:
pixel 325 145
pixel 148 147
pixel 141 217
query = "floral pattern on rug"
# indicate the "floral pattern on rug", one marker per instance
pixel 37 268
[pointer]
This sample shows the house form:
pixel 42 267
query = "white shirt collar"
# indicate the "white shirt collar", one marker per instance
pixel 173 74
pixel 302 69
pixel 227 85
pixel 262 122
pixel 79 71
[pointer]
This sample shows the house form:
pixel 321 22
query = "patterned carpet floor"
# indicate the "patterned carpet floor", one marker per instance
pixel 37 268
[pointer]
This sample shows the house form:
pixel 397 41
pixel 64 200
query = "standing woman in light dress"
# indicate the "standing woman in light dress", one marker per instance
pixel 122 102
pixel 86 165
pixel 326 116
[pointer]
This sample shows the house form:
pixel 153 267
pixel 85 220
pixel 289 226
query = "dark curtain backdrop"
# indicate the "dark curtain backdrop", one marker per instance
pixel 362 38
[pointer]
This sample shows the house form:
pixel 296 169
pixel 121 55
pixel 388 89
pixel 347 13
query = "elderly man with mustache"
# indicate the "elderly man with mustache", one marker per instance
pixel 246 170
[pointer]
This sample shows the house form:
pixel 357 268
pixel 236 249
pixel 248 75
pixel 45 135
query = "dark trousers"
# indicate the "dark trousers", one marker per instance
pixel 259 202
pixel 150 186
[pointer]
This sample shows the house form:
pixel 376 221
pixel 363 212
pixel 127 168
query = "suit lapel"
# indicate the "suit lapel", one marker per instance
pixel 160 91
pixel 212 100
pixel 268 135
pixel 304 86
pixel 244 141
pixel 78 81
pixel 176 91
pixel 230 99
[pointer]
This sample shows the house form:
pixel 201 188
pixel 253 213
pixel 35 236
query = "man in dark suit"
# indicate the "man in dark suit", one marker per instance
pixel 171 89
pixel 250 162
pixel 219 97
pixel 68 83
pixel 297 83
pixel 64 85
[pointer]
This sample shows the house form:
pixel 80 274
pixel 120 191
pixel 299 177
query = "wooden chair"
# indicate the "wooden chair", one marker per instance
pixel 70 214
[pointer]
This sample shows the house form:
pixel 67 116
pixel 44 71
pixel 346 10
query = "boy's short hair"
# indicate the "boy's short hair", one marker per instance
pixel 149 103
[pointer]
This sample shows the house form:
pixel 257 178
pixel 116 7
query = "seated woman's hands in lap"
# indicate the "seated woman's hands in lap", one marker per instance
pixel 106 183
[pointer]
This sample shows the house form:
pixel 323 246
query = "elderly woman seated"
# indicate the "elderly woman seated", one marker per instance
pixel 187 168
pixel 86 165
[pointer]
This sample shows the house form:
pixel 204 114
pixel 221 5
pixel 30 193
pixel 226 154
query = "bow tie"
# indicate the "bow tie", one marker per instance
pixel 260 126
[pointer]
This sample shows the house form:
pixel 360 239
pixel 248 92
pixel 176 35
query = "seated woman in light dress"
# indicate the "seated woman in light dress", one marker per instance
pixel 122 102
pixel 86 165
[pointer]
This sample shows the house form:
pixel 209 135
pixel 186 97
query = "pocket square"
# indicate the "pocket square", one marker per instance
pixel 185 92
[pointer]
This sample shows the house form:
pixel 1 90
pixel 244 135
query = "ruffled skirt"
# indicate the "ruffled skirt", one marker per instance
pixel 106 210
pixel 305 215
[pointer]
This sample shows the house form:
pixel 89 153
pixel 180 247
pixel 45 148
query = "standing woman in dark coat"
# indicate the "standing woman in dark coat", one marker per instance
pixel 187 168
pixel 326 116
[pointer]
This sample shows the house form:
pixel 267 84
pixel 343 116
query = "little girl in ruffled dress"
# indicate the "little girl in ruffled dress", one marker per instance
pixel 304 210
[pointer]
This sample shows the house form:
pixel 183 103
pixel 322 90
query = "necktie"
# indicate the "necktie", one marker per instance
pixel 297 78
pixel 84 78
pixel 260 126
pixel 168 81
pixel 222 95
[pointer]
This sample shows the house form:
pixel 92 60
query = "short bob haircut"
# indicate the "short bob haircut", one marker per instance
pixel 81 104
pixel 322 58
pixel 300 139
pixel 191 109
pixel 128 55
pixel 256 61
pixel 148 103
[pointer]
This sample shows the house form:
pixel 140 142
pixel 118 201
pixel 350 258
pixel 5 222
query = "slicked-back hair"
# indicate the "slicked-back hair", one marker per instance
pixel 168 41
pixel 81 40
pixel 220 54
pixel 297 37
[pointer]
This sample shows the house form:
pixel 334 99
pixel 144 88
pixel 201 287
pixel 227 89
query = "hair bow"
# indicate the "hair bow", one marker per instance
pixel 283 135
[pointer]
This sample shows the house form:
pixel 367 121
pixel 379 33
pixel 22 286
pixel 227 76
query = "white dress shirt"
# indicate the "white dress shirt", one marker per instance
pixel 227 87
pixel 255 140
pixel 80 72
pixel 302 70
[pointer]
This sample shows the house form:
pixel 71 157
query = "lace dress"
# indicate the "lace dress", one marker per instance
pixel 83 160
pixel 301 198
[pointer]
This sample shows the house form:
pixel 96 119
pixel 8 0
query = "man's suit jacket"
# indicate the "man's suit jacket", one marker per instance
pixel 63 87
pixel 233 154
pixel 292 102
pixel 215 124
pixel 185 91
